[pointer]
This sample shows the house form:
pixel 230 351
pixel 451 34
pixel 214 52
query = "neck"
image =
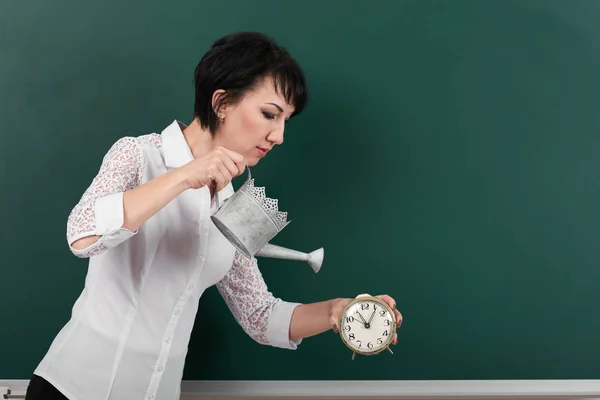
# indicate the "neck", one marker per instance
pixel 199 139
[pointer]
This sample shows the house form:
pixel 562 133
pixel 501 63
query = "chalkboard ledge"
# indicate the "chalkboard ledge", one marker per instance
pixel 394 389
pixel 192 390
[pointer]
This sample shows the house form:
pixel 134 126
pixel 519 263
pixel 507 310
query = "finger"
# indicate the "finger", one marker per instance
pixel 236 157
pixel 241 166
pixel 390 301
pixel 334 323
pixel 231 166
pixel 398 317
pixel 221 178
pixel 395 340
pixel 210 175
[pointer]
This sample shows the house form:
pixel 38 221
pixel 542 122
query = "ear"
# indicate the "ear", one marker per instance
pixel 218 102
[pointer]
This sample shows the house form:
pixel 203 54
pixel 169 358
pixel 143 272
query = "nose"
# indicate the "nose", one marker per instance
pixel 276 135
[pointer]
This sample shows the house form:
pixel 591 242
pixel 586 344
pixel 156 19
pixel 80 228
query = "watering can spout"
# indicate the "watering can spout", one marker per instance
pixel 314 258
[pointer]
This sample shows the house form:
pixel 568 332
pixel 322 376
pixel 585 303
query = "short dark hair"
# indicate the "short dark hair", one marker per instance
pixel 239 61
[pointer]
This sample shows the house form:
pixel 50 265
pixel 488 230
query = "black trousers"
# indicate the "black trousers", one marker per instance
pixel 40 389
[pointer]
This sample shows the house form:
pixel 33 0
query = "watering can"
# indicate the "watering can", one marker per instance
pixel 249 220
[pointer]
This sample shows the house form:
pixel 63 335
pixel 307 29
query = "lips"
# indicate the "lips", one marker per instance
pixel 262 151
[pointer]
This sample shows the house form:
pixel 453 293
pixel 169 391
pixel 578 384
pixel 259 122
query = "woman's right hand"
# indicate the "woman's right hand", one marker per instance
pixel 216 168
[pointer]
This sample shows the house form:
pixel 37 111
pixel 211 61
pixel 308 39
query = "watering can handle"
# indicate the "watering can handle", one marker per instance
pixel 217 196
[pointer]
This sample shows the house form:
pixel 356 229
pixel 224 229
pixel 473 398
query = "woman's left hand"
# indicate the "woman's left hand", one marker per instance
pixel 340 304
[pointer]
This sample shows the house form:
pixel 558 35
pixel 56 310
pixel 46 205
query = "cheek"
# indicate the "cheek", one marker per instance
pixel 246 121
pixel 253 126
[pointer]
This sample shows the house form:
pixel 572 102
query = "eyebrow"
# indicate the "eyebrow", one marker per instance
pixel 280 109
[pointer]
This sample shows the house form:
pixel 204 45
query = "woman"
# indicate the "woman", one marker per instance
pixel 144 224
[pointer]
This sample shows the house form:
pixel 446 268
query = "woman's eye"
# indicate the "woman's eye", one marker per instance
pixel 268 115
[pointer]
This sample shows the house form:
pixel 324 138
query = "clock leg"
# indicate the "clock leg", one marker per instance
pixel 390 350
pixel 353 354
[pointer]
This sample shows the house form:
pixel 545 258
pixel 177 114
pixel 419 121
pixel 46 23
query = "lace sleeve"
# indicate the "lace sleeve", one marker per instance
pixel 265 318
pixel 100 209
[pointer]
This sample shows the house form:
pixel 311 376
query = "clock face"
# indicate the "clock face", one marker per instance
pixel 368 326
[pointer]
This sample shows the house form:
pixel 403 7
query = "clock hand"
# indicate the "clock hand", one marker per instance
pixel 371 319
pixel 366 324
pixel 361 317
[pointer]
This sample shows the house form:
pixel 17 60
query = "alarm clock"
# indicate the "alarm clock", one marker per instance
pixel 367 325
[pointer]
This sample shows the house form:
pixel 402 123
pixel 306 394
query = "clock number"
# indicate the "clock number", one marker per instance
pixel 364 306
pixel 370 345
pixel 379 341
pixel 351 336
pixel 359 343
pixel 350 319
pixel 347 328
pixel 382 313
pixel 386 333
pixel 387 322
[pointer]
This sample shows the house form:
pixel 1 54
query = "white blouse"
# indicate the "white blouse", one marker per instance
pixel 129 330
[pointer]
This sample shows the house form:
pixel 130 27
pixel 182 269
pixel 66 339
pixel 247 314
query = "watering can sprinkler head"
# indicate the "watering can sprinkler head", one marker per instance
pixel 249 220
pixel 314 258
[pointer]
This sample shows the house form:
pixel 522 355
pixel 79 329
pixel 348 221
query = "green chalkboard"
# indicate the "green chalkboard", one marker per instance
pixel 450 156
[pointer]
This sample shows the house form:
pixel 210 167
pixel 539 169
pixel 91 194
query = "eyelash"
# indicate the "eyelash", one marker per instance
pixel 268 115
